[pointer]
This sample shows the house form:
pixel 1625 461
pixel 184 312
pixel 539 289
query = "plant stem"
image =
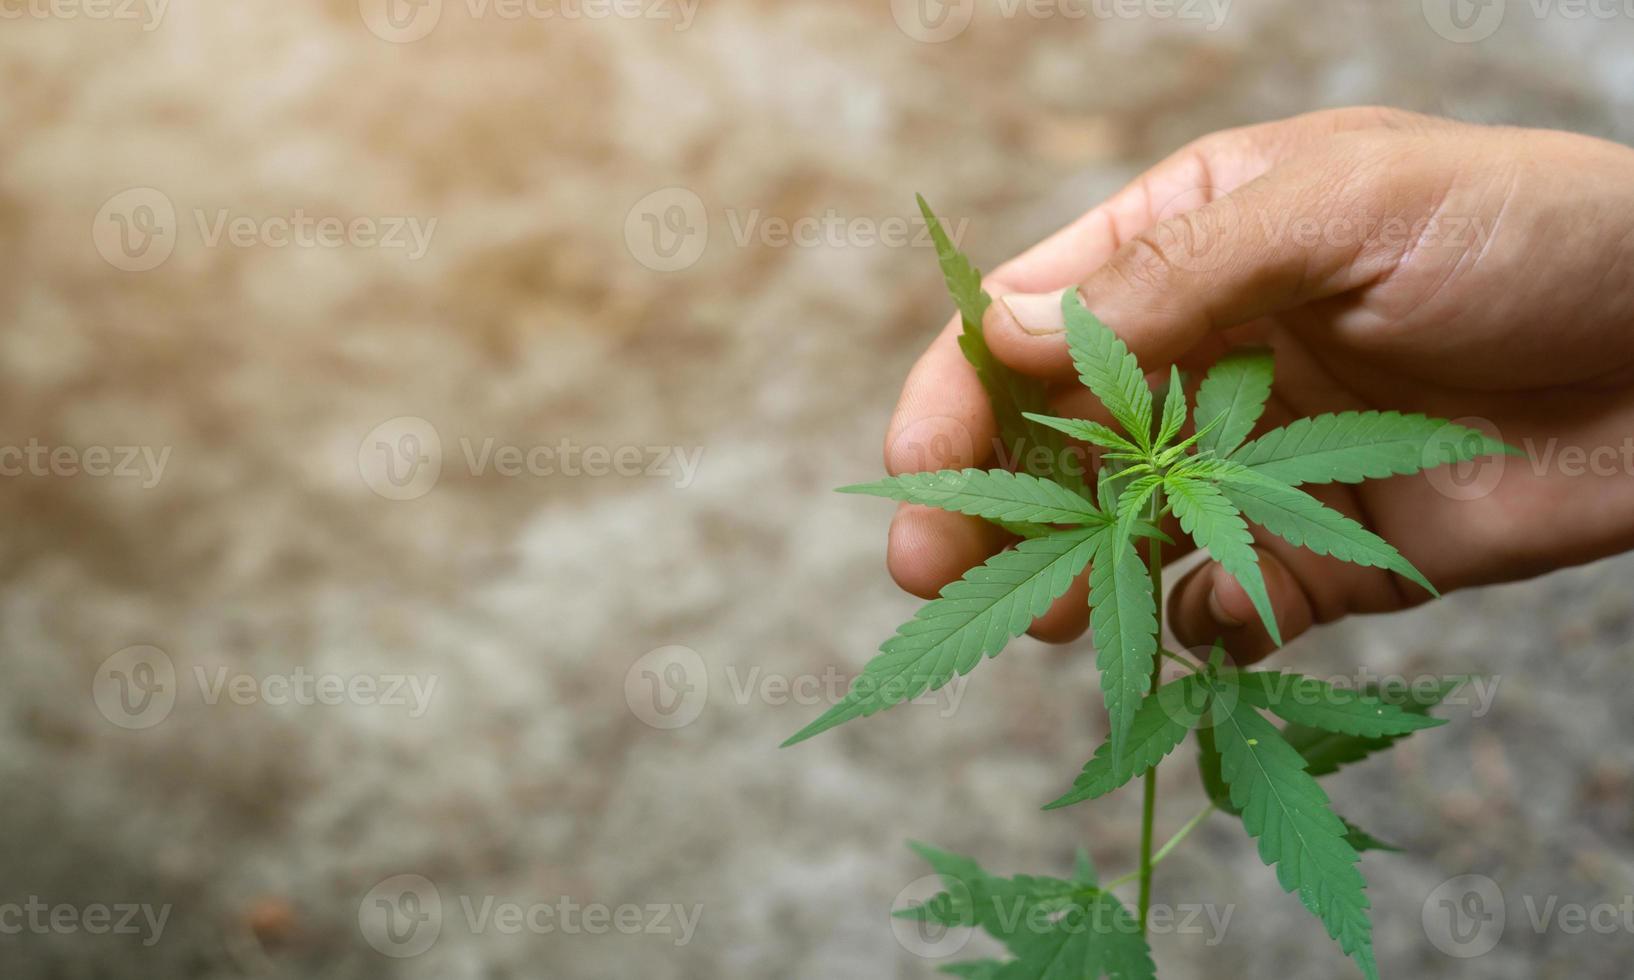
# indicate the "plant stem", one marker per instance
pixel 1154 563
pixel 1163 851
pixel 1180 834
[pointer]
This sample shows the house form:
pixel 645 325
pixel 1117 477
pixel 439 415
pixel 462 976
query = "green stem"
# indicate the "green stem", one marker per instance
pixel 1180 834
pixel 1154 564
pixel 1163 851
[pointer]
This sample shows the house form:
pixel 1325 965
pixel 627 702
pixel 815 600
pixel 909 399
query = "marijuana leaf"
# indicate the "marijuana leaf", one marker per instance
pixel 1309 701
pixel 1010 393
pixel 1055 929
pixel 1364 841
pixel 1302 520
pixel 1208 770
pixel 1354 446
pixel 1233 393
pixel 1095 937
pixel 1325 752
pixel 1160 724
pixel 975 617
pixel 1108 369
pixel 1174 408
pixel 1217 527
pixel 997 495
pixel 1091 432
pixel 1288 813
pixel 1123 620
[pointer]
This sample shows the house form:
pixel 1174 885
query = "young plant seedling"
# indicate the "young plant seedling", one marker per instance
pixel 1213 482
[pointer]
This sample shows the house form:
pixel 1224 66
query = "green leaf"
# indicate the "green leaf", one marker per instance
pixel 1302 520
pixel 1174 408
pixel 1234 392
pixel 975 617
pixel 1095 937
pixel 973 969
pixel 1308 701
pixel 1325 752
pixel 982 900
pixel 1111 480
pixel 994 494
pixel 1132 498
pixel 1361 840
pixel 1010 392
pixel 1354 446
pixel 1083 871
pixel 1055 929
pixel 1087 431
pixel 1108 369
pixel 1208 769
pixel 1298 832
pixel 1214 523
pixel 1160 724
pixel 1123 620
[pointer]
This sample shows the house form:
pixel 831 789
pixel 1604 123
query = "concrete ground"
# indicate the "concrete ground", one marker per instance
pixel 345 667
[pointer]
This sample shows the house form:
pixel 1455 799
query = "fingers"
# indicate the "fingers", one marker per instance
pixel 928 548
pixel 1067 617
pixel 942 419
pixel 1209 605
pixel 1023 327
pixel 1305 589
pixel 1199 242
pixel 1209 269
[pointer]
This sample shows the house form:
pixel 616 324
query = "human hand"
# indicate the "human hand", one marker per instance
pixel 1392 261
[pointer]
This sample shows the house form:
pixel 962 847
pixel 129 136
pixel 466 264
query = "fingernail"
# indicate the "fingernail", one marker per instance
pixel 1037 313
pixel 1217 610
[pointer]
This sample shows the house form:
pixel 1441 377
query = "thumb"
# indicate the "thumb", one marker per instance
pixel 1250 253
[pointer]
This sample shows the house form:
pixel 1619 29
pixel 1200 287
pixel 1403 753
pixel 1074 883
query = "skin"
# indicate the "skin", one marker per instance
pixel 1514 306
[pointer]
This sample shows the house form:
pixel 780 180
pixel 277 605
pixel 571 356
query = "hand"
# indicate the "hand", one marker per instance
pixel 1392 261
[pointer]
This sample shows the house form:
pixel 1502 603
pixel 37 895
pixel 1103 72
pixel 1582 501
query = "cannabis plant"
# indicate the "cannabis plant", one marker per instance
pixel 1213 482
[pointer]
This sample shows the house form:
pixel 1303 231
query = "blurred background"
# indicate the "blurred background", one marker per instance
pixel 419 419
